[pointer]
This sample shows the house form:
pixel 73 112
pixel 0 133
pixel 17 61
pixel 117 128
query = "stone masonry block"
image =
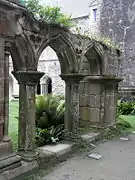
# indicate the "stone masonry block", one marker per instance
pixel 94 115
pixel 84 113
pixel 94 88
pixel 83 100
pixel 112 70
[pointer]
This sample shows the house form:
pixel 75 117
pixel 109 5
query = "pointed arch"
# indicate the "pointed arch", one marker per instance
pixel 64 49
pixel 95 57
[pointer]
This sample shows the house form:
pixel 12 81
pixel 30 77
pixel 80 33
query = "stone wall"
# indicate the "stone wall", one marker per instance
pixel 116 19
pixel 118 22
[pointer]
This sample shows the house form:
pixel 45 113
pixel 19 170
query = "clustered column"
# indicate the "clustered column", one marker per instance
pixel 27 84
pixel 72 103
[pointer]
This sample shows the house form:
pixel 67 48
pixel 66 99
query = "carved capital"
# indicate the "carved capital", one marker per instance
pixel 105 79
pixel 72 78
pixel 28 77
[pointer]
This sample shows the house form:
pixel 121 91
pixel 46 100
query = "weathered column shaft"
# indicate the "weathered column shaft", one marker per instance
pixel 22 117
pixel 6 95
pixel 2 100
pixel 28 81
pixel 109 113
pixel 30 118
pixel 94 102
pixel 110 101
pixel 72 107
pixel 72 103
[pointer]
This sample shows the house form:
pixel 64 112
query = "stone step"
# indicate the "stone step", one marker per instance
pixel 9 162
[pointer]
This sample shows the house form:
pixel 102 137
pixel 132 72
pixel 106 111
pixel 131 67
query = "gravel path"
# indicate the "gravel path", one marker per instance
pixel 117 163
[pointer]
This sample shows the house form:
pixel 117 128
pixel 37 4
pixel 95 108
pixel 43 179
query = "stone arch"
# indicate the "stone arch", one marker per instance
pixel 92 88
pixel 65 51
pixel 95 58
pixel 50 64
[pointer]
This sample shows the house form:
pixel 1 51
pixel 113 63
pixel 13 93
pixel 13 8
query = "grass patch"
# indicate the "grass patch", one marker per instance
pixel 13 123
pixel 130 119
pixel 109 134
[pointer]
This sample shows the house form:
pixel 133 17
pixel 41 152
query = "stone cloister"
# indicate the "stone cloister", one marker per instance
pixel 89 69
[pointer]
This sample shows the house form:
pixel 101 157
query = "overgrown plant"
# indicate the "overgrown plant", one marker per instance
pixel 48 14
pixel 106 41
pixel 125 108
pixel 50 135
pixel 50 111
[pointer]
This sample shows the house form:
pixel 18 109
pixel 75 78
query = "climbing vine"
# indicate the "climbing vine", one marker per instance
pixel 48 14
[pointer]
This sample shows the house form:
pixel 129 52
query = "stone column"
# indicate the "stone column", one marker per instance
pixel 110 101
pixel 27 81
pixel 2 100
pixel 72 103
pixel 44 88
pixel 22 117
pixel 6 93
pixel 5 143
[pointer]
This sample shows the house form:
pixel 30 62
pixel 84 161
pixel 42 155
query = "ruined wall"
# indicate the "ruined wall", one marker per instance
pixel 118 22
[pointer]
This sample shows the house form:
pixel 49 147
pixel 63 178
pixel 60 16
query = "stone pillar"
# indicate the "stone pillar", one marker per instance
pixel 8 159
pixel 110 101
pixel 22 117
pixel 72 103
pixel 4 99
pixel 27 81
pixel 102 100
pixel 6 93
pixel 44 88
pixel 94 102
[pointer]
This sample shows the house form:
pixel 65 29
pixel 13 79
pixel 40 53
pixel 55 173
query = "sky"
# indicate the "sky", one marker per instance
pixel 76 8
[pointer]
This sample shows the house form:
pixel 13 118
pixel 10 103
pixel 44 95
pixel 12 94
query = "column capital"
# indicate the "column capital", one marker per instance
pixel 74 78
pixel 28 77
pixel 105 79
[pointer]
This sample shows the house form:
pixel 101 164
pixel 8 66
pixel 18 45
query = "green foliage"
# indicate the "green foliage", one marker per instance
pixel 50 111
pixel 105 41
pixel 47 14
pixel 125 108
pixel 122 124
pixel 50 135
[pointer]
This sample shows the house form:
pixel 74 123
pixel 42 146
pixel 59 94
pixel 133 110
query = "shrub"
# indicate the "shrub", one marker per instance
pixel 50 135
pixel 125 108
pixel 50 111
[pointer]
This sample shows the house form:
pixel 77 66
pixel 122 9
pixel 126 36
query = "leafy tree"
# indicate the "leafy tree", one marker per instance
pixel 52 15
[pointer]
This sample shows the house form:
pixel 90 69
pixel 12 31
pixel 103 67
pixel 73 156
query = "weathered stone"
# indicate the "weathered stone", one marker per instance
pixel 84 113
pixel 24 38
pixel 25 168
pixel 94 115
pixel 84 99
pixel 9 162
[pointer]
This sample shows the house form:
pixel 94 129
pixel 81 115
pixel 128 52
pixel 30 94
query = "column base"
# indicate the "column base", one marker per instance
pixel 8 159
pixel 28 156
pixel 6 148
pixel 69 136
pixel 9 162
